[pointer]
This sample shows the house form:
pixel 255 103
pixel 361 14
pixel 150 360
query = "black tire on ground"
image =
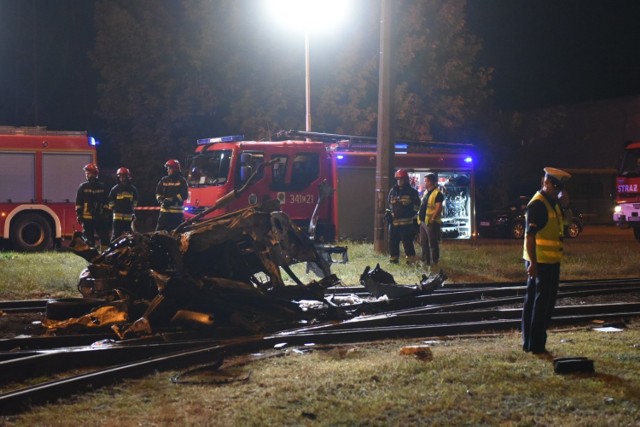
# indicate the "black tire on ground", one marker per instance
pixel 66 308
pixel 31 233
pixel 517 230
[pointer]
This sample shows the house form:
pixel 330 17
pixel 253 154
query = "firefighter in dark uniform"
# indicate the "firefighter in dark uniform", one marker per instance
pixel 123 199
pixel 171 194
pixel 404 203
pixel 92 209
pixel 542 254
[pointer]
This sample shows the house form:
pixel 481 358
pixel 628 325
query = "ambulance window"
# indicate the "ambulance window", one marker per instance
pixel 250 162
pixel 279 172
pixel 304 171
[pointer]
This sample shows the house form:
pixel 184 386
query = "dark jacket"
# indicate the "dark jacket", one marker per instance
pixel 123 199
pixel 171 193
pixel 404 203
pixel 91 200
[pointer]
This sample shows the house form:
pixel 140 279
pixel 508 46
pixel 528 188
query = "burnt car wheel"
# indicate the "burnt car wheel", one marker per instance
pixel 517 230
pixel 573 230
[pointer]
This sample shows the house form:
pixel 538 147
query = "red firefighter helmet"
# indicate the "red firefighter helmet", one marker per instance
pixel 401 174
pixel 91 167
pixel 173 164
pixel 124 171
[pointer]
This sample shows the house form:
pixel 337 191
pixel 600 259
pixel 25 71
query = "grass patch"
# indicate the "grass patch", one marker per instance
pixel 41 275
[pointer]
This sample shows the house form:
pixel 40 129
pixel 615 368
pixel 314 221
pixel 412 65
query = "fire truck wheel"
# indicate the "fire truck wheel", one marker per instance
pixel 31 233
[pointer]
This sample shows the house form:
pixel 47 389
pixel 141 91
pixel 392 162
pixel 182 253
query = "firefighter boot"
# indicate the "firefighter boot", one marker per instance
pixel 393 260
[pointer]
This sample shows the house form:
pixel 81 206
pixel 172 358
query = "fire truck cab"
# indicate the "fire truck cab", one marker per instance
pixel 626 212
pixel 327 177
pixel 40 171
pixel 288 171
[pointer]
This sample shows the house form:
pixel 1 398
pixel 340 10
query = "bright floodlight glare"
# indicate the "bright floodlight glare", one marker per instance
pixel 312 14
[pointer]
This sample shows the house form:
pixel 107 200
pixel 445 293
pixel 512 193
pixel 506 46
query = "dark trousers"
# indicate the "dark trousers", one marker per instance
pixel 539 302
pixel 430 242
pixel 405 234
pixel 169 221
pixel 91 227
pixel 120 227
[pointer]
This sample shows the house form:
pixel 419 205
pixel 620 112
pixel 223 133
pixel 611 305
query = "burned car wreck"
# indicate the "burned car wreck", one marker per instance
pixel 222 274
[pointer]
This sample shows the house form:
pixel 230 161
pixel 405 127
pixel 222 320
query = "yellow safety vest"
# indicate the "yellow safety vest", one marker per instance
pixel 549 238
pixel 431 208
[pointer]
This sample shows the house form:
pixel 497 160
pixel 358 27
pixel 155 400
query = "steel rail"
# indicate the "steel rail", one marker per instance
pixel 417 317
pixel 37 363
pixel 19 400
pixel 498 287
pixel 23 306
pixel 457 301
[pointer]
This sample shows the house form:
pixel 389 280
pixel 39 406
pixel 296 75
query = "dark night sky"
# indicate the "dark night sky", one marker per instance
pixel 549 52
pixel 544 52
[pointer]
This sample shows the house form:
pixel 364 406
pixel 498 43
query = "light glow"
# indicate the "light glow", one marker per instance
pixel 311 15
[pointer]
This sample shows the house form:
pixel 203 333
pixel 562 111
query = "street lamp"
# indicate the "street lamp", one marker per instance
pixel 312 15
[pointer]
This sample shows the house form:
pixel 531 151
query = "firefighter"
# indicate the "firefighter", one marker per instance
pixel 171 193
pixel 123 199
pixel 404 203
pixel 542 253
pixel 92 209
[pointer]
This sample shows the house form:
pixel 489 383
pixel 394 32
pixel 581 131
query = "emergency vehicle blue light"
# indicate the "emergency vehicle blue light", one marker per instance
pixel 339 157
pixel 468 159
pixel 230 138
pixel 402 147
pixel 93 142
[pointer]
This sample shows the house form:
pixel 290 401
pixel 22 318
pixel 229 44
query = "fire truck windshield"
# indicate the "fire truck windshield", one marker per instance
pixel 630 165
pixel 209 168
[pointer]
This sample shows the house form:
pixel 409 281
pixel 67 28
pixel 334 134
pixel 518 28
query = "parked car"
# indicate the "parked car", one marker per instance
pixel 509 221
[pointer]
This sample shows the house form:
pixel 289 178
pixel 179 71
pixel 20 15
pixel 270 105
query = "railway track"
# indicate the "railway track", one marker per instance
pixel 461 309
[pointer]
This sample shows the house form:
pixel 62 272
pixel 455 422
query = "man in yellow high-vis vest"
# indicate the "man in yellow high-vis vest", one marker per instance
pixel 542 254
pixel 430 216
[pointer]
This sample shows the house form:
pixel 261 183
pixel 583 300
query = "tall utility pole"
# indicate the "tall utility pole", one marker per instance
pixel 307 80
pixel 384 147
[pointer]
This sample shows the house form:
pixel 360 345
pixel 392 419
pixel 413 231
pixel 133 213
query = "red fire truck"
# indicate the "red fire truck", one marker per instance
pixel 297 168
pixel 40 171
pixel 626 212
